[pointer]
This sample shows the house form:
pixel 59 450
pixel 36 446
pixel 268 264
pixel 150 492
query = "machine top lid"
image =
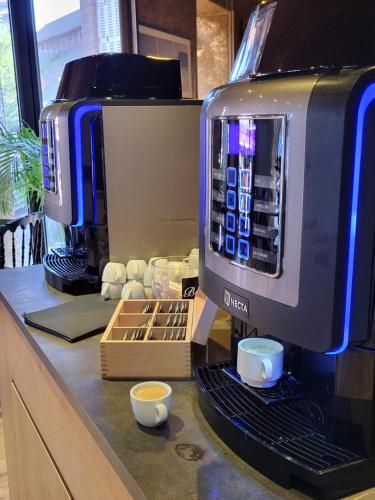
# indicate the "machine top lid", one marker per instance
pixel 121 75
pixel 290 35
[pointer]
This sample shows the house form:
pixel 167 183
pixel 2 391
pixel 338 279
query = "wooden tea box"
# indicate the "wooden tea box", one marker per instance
pixel 152 338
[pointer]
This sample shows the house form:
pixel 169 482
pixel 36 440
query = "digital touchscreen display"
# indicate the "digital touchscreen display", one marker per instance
pixel 246 191
pixel 48 156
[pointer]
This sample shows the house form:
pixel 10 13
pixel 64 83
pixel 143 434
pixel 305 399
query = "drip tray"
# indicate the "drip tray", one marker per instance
pixel 70 275
pixel 287 389
pixel 69 252
pixel 280 432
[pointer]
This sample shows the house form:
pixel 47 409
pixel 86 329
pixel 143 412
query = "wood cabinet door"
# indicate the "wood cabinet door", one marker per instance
pixel 37 476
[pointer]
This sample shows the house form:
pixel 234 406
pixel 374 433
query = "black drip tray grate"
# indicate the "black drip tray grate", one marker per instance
pixel 292 428
pixel 69 252
pixel 287 389
pixel 70 268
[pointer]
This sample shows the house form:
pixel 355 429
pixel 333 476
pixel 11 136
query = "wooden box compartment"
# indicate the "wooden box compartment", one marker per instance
pixel 152 338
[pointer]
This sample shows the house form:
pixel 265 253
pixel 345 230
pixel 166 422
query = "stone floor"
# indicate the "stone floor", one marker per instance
pixel 4 493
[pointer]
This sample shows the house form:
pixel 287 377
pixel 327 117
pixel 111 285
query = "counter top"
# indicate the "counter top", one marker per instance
pixel 183 459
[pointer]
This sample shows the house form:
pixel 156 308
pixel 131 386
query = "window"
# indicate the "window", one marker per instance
pixel 9 115
pixel 9 112
pixel 71 29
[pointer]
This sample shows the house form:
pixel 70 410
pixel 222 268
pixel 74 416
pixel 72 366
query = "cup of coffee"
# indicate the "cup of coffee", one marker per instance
pixel 151 402
pixel 260 361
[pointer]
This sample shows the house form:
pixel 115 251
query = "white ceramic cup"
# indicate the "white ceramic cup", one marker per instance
pixel 113 278
pixel 188 271
pixel 193 259
pixel 151 412
pixel 136 269
pixel 133 290
pixel 114 272
pixel 111 290
pixel 260 361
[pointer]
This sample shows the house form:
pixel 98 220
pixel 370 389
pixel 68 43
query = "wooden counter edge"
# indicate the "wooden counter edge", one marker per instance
pixel 86 420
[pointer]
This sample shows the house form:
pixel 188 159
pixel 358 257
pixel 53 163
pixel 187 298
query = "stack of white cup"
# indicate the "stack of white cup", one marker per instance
pixel 113 278
pixel 136 281
pixel 134 288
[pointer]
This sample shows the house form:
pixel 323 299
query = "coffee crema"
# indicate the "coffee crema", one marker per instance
pixel 151 392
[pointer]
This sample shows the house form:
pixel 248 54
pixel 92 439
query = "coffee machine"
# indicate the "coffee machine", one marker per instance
pixel 120 159
pixel 287 246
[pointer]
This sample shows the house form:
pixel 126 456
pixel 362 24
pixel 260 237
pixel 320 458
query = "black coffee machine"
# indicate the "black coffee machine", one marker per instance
pixel 287 241
pixel 120 150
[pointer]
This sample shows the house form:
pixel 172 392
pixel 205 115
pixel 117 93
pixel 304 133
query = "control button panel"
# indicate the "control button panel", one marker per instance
pixel 247 172
pixel 48 156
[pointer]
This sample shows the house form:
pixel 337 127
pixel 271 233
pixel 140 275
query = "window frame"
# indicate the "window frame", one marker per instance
pixel 26 60
pixel 26 64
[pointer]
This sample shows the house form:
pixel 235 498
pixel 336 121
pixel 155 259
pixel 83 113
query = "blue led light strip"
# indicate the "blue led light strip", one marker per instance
pixel 93 168
pixel 367 99
pixel 78 116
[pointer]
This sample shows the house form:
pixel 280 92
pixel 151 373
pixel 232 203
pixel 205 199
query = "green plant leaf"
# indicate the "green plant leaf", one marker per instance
pixel 20 170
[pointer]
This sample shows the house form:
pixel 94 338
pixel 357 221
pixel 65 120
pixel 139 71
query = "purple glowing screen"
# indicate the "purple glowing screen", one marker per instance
pixel 242 138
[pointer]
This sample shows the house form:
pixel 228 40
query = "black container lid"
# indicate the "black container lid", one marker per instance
pixel 305 34
pixel 120 75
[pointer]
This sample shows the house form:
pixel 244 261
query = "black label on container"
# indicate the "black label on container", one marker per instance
pixel 189 287
pixel 238 305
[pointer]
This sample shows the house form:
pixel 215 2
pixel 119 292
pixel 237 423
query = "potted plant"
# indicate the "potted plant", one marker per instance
pixel 20 171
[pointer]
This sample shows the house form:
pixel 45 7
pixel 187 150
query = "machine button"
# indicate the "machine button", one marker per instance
pixel 217 217
pixel 230 244
pixel 245 179
pixel 231 200
pixel 263 255
pixel 264 231
pixel 231 177
pixel 243 249
pixel 245 203
pixel 230 222
pixel 244 225
pixel 266 207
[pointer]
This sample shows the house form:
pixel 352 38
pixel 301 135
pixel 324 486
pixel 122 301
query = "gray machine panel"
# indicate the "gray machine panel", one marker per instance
pixel 248 99
pixel 152 177
pixel 335 301
pixel 58 202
